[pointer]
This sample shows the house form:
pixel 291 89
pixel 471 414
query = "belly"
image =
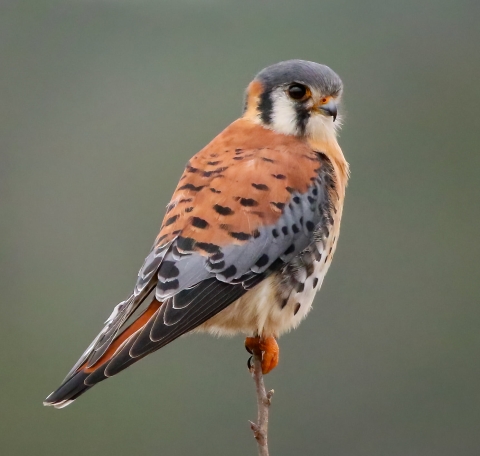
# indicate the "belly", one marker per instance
pixel 269 309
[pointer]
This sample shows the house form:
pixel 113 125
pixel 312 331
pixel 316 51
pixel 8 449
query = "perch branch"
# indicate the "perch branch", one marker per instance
pixel 264 399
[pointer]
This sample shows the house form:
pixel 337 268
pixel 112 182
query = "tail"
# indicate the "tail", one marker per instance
pixel 86 374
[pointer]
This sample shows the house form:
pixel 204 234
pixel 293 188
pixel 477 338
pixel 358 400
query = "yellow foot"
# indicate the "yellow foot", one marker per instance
pixel 269 348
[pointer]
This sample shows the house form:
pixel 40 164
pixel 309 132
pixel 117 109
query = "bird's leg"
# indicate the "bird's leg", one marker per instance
pixel 269 348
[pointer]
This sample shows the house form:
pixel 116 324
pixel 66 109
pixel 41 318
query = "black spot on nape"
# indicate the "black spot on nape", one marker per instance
pixel 285 230
pixel 260 187
pixel 171 220
pixel 189 209
pixel 315 282
pixel 262 261
pixel 295 228
pixel 209 248
pixel 185 244
pixel 191 187
pixel 168 270
pixel 238 151
pixel 268 160
pixel 213 163
pixel 310 225
pixel 248 202
pixel 299 287
pixel 278 205
pixel 171 285
pixel 297 308
pixel 275 233
pixel 238 158
pixel 214 190
pixel 265 106
pixel 223 210
pixel 290 250
pixel 229 272
pixel 240 236
pixel 198 222
pixel 279 176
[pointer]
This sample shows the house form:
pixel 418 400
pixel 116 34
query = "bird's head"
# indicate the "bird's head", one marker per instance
pixel 295 97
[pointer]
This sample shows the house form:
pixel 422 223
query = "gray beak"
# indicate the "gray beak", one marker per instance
pixel 329 109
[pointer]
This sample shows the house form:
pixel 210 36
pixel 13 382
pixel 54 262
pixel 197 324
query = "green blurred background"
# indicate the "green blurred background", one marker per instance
pixel 96 99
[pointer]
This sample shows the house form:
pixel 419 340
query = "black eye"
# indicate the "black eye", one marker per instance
pixel 298 92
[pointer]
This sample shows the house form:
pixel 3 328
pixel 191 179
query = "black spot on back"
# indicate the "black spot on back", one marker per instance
pixel 260 186
pixel 171 220
pixel 223 210
pixel 248 202
pixel 191 187
pixel 240 236
pixel 198 222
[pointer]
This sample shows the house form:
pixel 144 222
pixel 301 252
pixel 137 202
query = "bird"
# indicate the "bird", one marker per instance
pixel 248 235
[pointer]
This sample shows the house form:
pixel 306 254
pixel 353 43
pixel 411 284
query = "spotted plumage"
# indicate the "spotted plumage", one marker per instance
pixel 248 235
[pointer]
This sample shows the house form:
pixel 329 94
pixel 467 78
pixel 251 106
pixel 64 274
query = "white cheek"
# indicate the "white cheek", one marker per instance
pixel 283 115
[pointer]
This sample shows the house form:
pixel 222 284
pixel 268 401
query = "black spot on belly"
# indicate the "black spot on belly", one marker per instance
pixel 299 287
pixel 315 282
pixel 310 225
pixel 297 308
pixel 295 228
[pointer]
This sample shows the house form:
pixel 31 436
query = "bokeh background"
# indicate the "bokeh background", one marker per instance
pixel 103 102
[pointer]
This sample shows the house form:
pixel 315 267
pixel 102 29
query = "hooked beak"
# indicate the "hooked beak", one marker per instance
pixel 329 109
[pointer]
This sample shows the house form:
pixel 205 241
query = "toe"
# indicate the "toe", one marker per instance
pixel 271 353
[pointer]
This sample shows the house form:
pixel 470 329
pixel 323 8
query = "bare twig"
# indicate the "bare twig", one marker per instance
pixel 264 399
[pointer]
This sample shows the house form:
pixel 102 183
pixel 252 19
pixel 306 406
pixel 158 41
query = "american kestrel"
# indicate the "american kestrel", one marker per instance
pixel 248 236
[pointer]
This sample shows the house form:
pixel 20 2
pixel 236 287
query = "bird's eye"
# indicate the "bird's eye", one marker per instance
pixel 298 92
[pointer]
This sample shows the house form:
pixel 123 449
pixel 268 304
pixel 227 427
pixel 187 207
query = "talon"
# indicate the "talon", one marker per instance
pixel 249 363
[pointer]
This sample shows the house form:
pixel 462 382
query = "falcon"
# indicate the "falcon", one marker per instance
pixel 248 236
